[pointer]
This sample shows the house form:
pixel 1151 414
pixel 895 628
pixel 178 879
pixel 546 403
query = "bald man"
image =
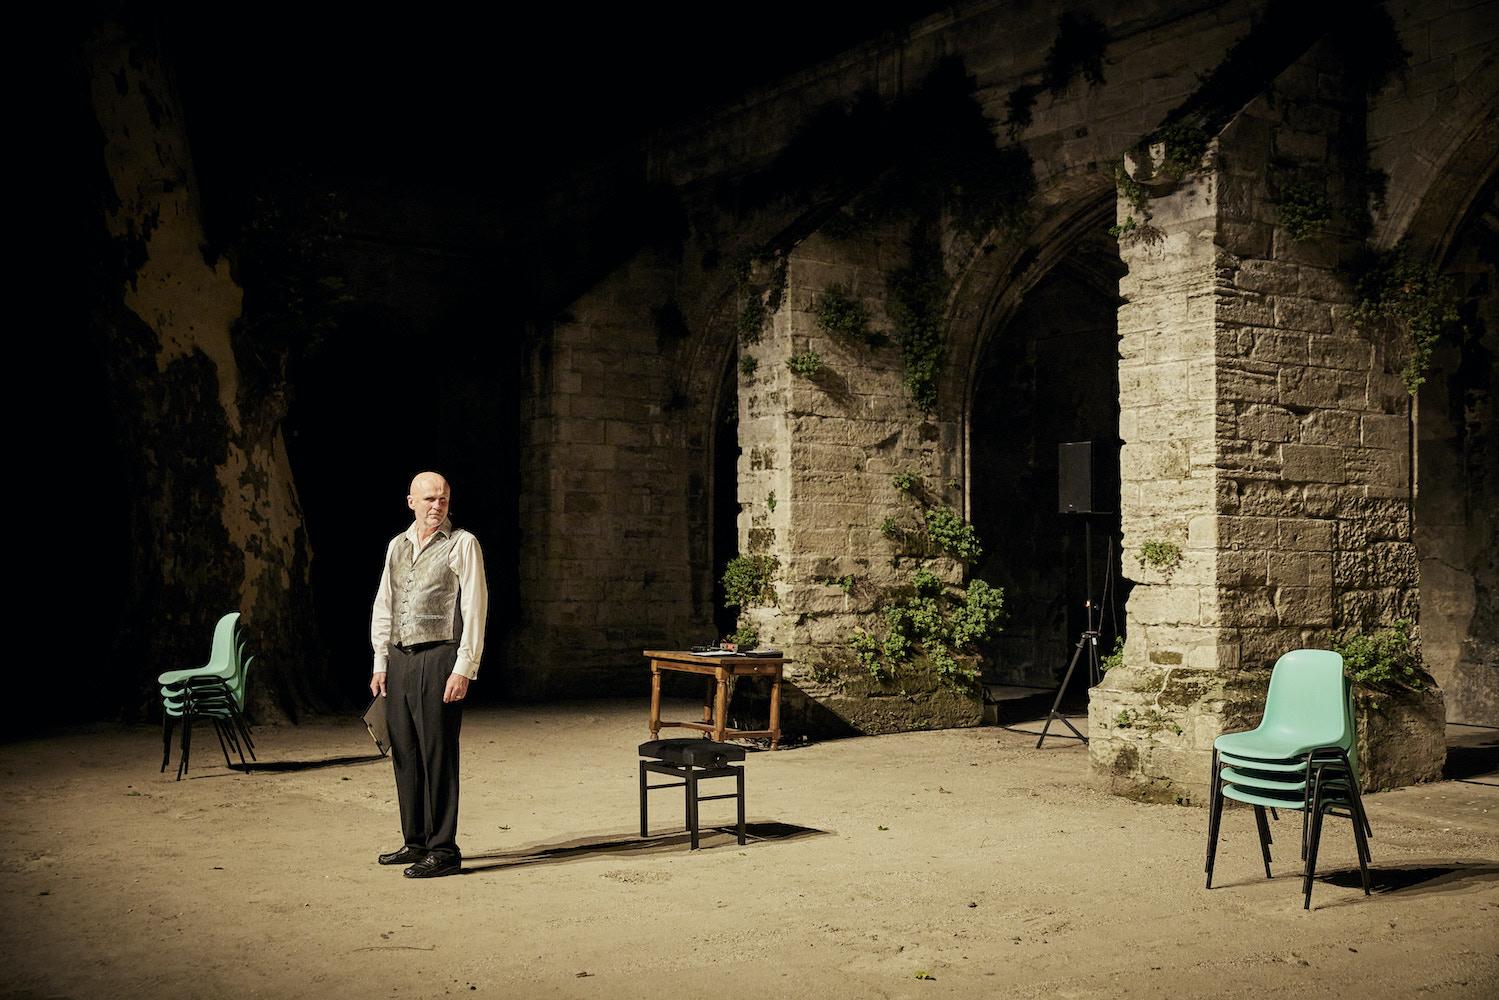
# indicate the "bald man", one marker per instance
pixel 427 629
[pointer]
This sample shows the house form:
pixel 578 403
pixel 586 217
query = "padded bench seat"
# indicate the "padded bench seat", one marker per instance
pixel 692 760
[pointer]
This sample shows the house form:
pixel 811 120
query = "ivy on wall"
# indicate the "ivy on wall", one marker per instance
pixel 1397 289
pixel 925 619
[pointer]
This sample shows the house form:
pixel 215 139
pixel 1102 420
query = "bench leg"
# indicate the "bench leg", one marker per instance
pixel 739 780
pixel 643 832
pixel 692 806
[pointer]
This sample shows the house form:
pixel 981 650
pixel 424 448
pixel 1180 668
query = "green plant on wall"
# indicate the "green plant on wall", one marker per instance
pixel 905 481
pixel 1386 659
pixel 839 314
pixel 866 650
pixel 928 620
pixel 761 296
pixel 751 319
pixel 952 535
pixel 844 583
pixel 1114 659
pixel 1399 288
pixel 747 365
pixel 746 636
pixel 1183 145
pixel 805 364
pixel 1164 556
pixel 918 293
pixel 1304 209
pixel 747 581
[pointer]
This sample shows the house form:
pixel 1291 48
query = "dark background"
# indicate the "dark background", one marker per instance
pixel 437 131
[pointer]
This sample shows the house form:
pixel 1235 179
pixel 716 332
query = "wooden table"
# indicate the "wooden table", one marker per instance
pixel 717 670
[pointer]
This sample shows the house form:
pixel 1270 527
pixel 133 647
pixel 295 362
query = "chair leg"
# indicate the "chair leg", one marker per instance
pixel 166 739
pixel 1215 814
pixel 218 730
pixel 1311 859
pixel 1263 826
pixel 187 742
pixel 1363 848
pixel 234 741
pixel 1305 815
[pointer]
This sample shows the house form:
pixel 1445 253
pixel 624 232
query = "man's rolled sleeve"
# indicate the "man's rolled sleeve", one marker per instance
pixel 467 561
pixel 380 615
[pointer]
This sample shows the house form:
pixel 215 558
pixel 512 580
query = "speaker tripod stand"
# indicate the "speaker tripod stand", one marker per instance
pixel 1087 642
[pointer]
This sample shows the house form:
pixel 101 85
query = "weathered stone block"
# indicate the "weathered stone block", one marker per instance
pixel 1267 275
pixel 1301 314
pixel 1312 464
pixel 1374 467
pixel 1261 344
pixel 1329 427
pixel 1241 532
pixel 1304 605
pixel 1264 498
pixel 1304 534
pixel 1401 736
pixel 1266 422
pixel 1247 607
pixel 1388 431
pixel 1248 381
pixel 1322 387
pixel 1288 569
pixel 1164 605
pixel 1245 308
pixel 1352 353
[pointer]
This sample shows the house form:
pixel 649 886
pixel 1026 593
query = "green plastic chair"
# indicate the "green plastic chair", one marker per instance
pixel 1302 756
pixel 214 691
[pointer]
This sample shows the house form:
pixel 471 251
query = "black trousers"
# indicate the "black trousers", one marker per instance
pixel 424 744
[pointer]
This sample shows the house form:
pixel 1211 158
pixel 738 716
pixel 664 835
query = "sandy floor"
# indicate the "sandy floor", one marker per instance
pixel 962 863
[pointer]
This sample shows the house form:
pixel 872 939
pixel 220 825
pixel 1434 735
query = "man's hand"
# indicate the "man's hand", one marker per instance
pixel 377 684
pixel 456 689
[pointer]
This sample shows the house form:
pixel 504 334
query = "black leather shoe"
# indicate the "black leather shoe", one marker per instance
pixel 405 856
pixel 434 866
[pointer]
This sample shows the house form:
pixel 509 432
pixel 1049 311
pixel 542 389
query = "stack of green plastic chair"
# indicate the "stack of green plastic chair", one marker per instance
pixel 1302 757
pixel 215 691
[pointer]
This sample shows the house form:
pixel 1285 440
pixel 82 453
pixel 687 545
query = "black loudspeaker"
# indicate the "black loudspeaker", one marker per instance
pixel 1078 477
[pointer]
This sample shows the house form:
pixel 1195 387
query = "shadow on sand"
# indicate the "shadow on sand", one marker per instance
pixel 1417 879
pixel 627 846
pixel 307 765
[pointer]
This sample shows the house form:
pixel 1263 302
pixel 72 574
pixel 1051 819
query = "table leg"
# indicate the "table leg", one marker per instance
pixel 721 706
pixel 775 710
pixel 655 699
pixel 707 699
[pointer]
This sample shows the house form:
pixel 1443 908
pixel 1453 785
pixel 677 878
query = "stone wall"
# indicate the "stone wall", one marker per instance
pixel 818 456
pixel 606 454
pixel 1267 439
pixel 1295 442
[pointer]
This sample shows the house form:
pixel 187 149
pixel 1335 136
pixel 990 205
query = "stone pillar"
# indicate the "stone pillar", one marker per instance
pixel 818 454
pixel 1265 436
pixel 1150 715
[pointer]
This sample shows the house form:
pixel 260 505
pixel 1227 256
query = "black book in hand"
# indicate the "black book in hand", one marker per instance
pixel 374 721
